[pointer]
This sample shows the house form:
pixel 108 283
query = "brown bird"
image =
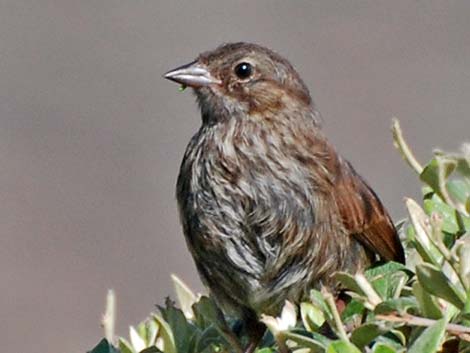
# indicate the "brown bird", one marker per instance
pixel 268 207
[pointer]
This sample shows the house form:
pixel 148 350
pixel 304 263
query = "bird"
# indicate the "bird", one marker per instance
pixel 268 207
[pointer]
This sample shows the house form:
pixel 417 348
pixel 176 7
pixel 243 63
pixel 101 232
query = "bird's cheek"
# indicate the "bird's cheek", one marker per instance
pixel 236 106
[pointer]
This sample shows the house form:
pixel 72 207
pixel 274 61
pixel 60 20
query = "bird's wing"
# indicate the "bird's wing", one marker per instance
pixel 364 216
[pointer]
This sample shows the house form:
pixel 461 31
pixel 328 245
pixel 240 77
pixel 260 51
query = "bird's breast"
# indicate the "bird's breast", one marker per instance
pixel 234 181
pixel 249 204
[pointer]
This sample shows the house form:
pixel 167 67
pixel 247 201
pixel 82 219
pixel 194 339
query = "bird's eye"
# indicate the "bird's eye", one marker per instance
pixel 243 70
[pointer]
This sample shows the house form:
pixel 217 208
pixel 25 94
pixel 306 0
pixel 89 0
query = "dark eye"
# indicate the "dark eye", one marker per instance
pixel 243 70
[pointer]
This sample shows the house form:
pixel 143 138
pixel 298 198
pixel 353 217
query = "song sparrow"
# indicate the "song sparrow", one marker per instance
pixel 268 207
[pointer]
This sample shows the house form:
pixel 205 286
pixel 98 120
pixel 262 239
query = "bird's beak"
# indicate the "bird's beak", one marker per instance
pixel 193 75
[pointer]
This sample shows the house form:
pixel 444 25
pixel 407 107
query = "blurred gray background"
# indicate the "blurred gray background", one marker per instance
pixel 91 136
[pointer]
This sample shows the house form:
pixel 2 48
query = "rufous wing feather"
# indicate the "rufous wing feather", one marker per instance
pixel 364 216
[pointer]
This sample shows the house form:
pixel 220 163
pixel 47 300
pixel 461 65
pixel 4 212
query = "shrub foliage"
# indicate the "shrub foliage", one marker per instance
pixel 422 307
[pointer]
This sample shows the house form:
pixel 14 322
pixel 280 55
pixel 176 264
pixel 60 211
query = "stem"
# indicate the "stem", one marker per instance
pixel 421 321
pixel 399 288
pixel 281 343
pixel 454 264
pixel 372 296
pixel 307 342
pixel 463 252
pixel 109 317
pixel 336 317
pixel 436 238
pixel 403 147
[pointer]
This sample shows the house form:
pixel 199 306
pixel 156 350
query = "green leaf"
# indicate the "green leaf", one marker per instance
pixel 386 282
pixel 364 334
pixel 426 302
pixel 137 341
pixel 437 169
pixel 166 334
pixel 207 313
pixel 437 173
pixel 147 332
pixel 394 338
pixel 399 336
pixel 104 347
pixel 186 298
pixel 342 347
pixel 151 349
pixel 265 350
pixel 427 191
pixel 448 213
pixel 353 308
pixel 400 305
pixel 314 345
pixel 181 328
pixel 317 299
pixel 315 336
pixel 209 337
pixel 348 281
pixel 394 284
pixel 431 339
pixel 383 270
pixel 422 233
pixel 382 348
pixel 210 319
pixel 463 160
pixel 435 282
pixel 124 346
pixel 312 316
pixel 459 189
pixel 464 221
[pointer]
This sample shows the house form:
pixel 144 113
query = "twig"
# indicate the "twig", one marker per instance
pixel 109 317
pixel 459 330
pixel 369 291
pixel 336 317
pixel 452 259
pixel 403 147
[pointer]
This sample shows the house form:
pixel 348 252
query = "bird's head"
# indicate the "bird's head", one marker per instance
pixel 237 79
